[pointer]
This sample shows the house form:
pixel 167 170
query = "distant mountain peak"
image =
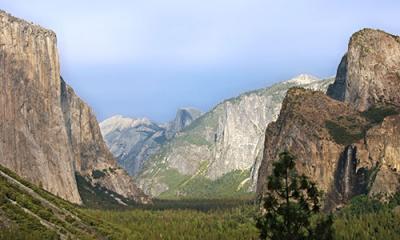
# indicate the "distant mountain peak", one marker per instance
pixel 184 117
pixel 189 109
pixel 303 79
pixel 120 122
pixel 133 140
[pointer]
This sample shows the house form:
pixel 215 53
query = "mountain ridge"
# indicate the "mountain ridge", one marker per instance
pixel 200 147
pixel 133 140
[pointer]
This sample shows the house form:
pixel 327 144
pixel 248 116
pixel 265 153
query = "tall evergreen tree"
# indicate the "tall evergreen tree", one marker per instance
pixel 290 203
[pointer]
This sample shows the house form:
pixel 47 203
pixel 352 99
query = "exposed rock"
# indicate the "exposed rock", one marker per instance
pixel 133 141
pixel 337 90
pixel 184 117
pixel 345 151
pixel 370 71
pixel 47 132
pixel 299 131
pixel 228 138
pixel 383 145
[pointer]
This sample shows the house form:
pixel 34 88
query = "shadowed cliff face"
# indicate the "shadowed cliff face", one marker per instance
pixel 348 147
pixel 337 90
pixel 47 132
pixel 346 176
pixel 350 179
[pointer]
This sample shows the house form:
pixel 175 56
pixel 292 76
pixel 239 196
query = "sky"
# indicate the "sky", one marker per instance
pixel 148 58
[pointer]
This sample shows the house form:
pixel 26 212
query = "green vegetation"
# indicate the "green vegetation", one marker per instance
pixel 31 217
pixel 366 218
pixel 376 114
pixel 290 204
pixel 232 219
pixel 228 223
pixel 194 139
pixel 232 184
pixel 98 174
pixel 166 219
pixel 342 134
pixel 169 219
pixel 98 197
pixel 349 129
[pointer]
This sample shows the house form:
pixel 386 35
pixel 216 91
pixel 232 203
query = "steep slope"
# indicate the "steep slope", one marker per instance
pixel 47 132
pixel 369 73
pixel 348 147
pixel 216 154
pixel 133 141
pixel 28 212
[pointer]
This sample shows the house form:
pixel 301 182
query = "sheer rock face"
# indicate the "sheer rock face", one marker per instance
pixel 228 138
pixel 337 90
pixel 47 132
pixel 301 130
pixel 33 135
pixel 383 146
pixel 370 72
pixel 343 165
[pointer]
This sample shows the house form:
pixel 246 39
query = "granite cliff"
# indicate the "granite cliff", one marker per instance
pixel 347 142
pixel 218 154
pixel 370 71
pixel 48 134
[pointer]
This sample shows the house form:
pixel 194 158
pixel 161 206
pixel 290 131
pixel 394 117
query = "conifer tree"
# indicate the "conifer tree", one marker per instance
pixel 289 205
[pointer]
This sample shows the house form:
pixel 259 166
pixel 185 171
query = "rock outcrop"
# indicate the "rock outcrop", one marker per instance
pixel 133 141
pixel 306 127
pixel 347 143
pixel 184 117
pixel 223 146
pixel 48 134
pixel 369 73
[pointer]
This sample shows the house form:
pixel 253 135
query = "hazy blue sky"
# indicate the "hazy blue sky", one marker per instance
pixel 149 57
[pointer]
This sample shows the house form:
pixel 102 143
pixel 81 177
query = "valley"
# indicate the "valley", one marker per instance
pixel 306 158
pixel 28 212
pixel 217 154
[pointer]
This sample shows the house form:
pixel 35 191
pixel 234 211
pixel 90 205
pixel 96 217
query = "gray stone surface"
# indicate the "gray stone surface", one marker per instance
pixel 370 71
pixel 46 132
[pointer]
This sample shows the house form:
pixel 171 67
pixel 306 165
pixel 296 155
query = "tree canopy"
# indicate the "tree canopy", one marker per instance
pixel 291 205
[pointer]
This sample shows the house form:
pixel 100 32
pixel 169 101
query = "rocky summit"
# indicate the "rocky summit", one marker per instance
pixel 133 141
pixel 48 135
pixel 346 142
pixel 369 73
pixel 219 153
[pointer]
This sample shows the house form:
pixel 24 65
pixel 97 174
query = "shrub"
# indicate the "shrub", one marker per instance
pixel 96 174
pixel 341 134
pixel 376 114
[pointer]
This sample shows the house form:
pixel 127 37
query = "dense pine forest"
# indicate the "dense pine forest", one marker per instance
pixel 363 218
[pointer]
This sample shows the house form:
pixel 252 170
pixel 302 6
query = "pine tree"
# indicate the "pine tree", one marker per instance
pixel 289 205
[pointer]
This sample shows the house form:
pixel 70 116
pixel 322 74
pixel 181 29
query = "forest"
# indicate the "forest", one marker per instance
pixel 362 218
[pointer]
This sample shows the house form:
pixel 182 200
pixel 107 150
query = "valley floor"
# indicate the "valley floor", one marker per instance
pixel 28 212
pixel 181 222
